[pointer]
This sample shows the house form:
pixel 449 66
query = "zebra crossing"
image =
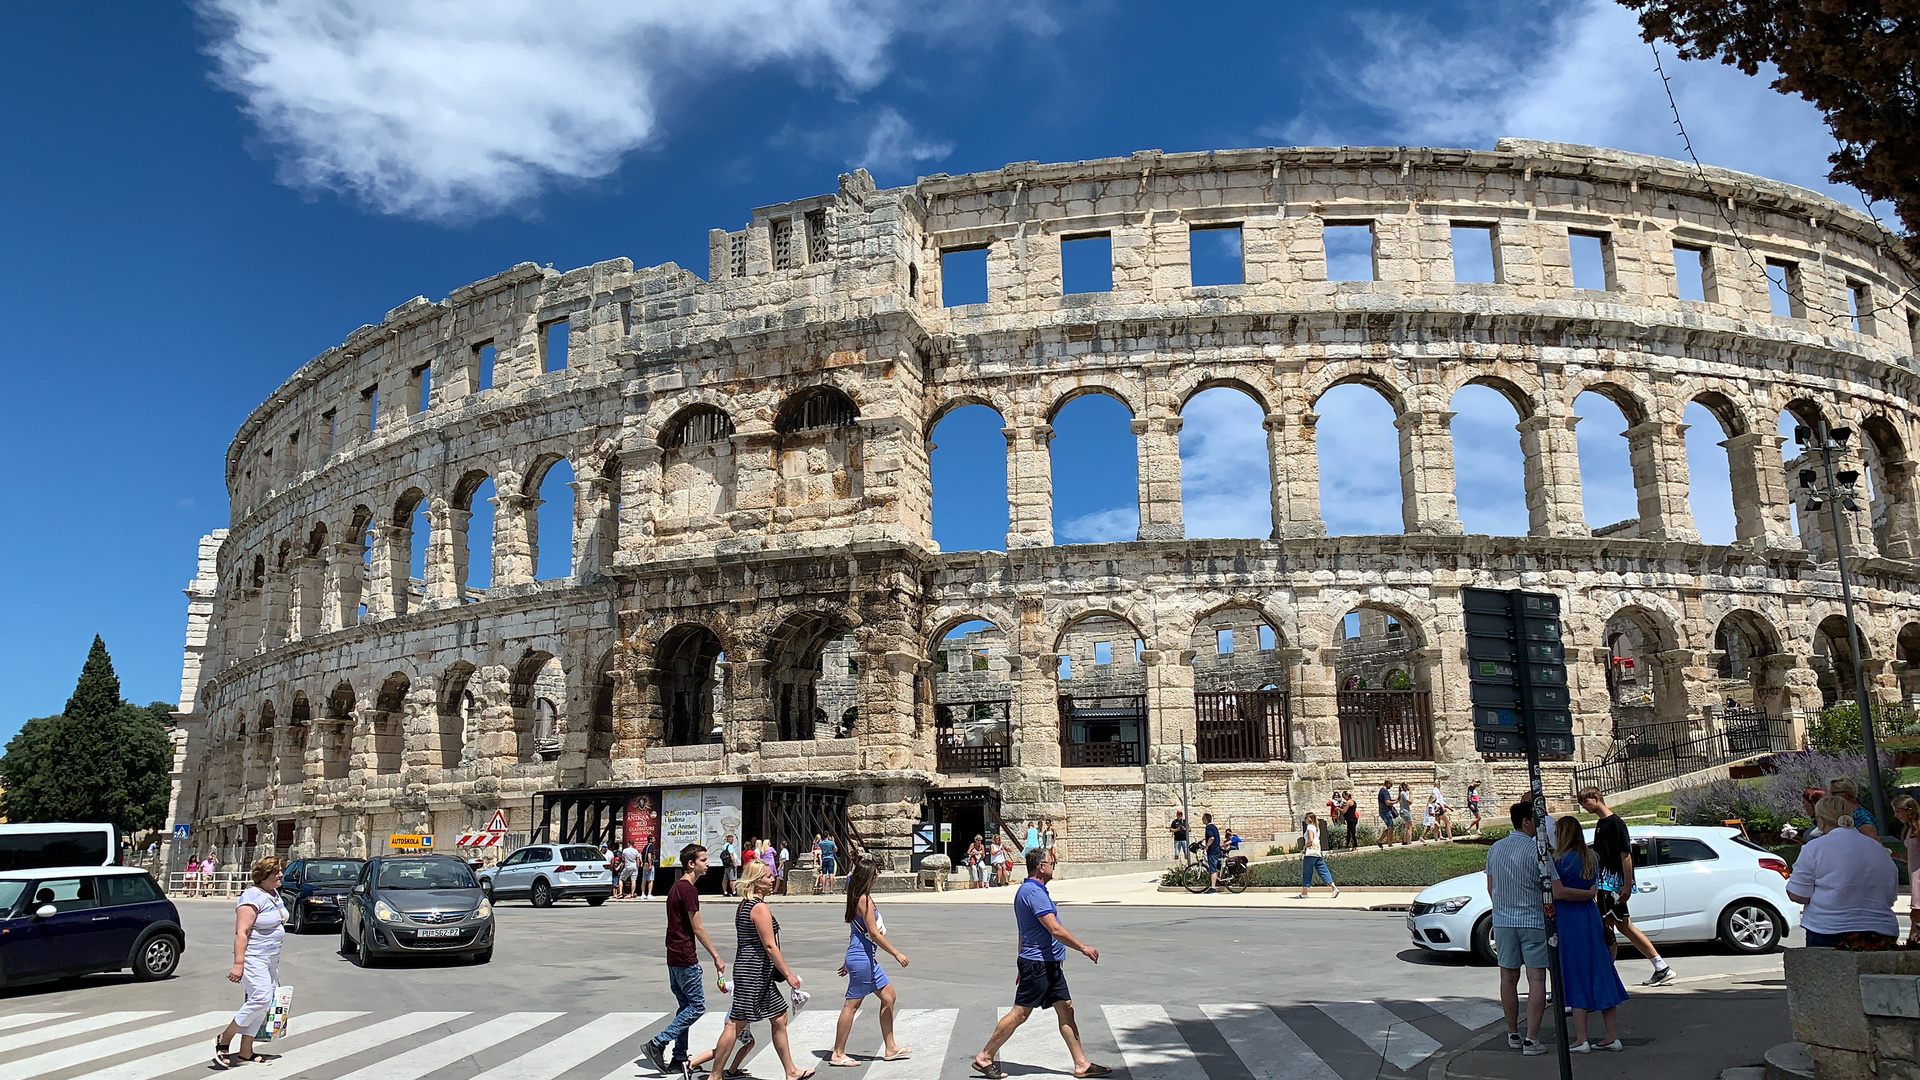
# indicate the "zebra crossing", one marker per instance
pixel 1336 1040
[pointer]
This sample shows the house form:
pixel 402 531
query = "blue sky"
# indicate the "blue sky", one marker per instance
pixel 199 199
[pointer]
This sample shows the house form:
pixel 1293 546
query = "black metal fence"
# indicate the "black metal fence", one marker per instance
pixel 1385 725
pixel 1659 752
pixel 973 736
pixel 1103 731
pixel 1240 725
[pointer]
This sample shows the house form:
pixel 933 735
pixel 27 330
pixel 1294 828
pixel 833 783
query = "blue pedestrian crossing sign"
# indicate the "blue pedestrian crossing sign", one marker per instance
pixel 182 831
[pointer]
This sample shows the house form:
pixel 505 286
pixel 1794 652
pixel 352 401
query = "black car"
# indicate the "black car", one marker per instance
pixel 313 888
pixel 412 904
pixel 59 922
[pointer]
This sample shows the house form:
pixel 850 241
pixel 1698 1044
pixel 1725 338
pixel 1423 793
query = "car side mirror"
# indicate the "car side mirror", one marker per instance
pixel 45 911
pixel 361 888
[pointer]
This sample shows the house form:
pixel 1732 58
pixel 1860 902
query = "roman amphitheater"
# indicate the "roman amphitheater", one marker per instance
pixel 750 622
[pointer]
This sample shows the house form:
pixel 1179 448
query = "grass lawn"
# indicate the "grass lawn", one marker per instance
pixel 1409 867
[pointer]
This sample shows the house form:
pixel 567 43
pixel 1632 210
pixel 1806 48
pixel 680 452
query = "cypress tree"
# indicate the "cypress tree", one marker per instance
pixel 102 759
pixel 97 695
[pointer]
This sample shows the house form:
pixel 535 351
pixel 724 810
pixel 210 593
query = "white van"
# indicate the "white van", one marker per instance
pixel 30 847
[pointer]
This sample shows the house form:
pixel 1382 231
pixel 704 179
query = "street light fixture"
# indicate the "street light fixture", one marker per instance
pixel 1837 494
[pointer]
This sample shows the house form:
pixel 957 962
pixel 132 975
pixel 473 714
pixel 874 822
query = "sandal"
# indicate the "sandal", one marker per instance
pixel 991 1070
pixel 850 1063
pixel 257 1058
pixel 902 1054
pixel 1093 1070
pixel 222 1057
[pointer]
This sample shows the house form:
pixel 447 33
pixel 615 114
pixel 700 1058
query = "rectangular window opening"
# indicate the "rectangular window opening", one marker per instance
pixel 1783 289
pixel 626 317
pixel 423 388
pixel 371 396
pixel 1349 248
pixel 483 358
pixel 553 345
pixel 331 421
pixel 1223 642
pixel 1086 264
pixel 782 236
pixel 1592 258
pixel 1913 334
pixel 1266 638
pixel 1214 255
pixel 1860 306
pixel 1102 653
pixel 963 276
pixel 1474 254
pixel 737 254
pixel 1690 272
pixel 816 236
pixel 1065 670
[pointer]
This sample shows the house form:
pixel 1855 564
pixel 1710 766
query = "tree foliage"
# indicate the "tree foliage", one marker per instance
pixel 1858 61
pixel 102 759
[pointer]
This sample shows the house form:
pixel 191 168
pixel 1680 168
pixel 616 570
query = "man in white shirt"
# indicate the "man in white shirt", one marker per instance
pixel 1520 913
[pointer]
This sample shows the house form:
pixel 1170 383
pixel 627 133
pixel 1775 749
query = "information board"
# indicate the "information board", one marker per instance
pixel 682 822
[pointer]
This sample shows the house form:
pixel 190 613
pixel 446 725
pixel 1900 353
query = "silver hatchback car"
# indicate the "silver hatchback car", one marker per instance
pixel 543 873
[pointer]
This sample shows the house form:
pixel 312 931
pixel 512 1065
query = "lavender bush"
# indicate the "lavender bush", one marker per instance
pixel 1774 801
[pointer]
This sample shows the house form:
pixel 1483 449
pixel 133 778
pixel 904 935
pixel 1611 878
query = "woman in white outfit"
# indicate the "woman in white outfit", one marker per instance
pixel 259 924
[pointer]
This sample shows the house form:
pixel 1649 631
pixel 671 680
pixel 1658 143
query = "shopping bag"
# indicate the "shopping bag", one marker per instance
pixel 274 1024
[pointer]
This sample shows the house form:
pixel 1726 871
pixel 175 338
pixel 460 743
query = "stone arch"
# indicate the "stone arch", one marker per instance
pixel 697 469
pixel 1627 472
pixel 537 694
pixel 1645 674
pixel 1744 643
pixel 551 471
pixel 1630 399
pixel 1196 383
pixel 1372 636
pixel 1834 657
pixel 819 448
pixel 1890 471
pixel 1226 474
pixel 1361 459
pixel 1236 645
pixel 259 749
pixel 317 540
pixel 387 724
pixel 1523 398
pixel 1102 686
pixel 473 496
pixel 1732 509
pixel 410 534
pixel 968 459
pixel 796 654
pixel 1487 421
pixel 698 424
pixel 457 713
pixel 1096 491
pixel 815 408
pixel 293 751
pixel 1380 379
pixel 967 690
pixel 1906 651
pixel 1061 398
pixel 336 737
pixel 685 685
pixel 602 727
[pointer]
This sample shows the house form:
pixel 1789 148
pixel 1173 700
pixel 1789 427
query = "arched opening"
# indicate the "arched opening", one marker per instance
pixel 804 684
pixel 457 712
pixel 605 545
pixel 1226 486
pixel 260 760
pixel 819 449
pixel 696 469
pixel 972 699
pixel 1486 450
pixel 1093 460
pixel 1803 469
pixel 1607 492
pixel 551 536
pixel 336 738
pixel 1240 688
pixel 1383 701
pixel 1887 483
pixel 1102 692
pixel 685 670
pixel 1711 421
pixel 473 500
pixel 1748 687
pixel 538 696
pixel 388 727
pixel 354 585
pixel 409 587
pixel 1833 659
pixel 293 757
pixel 601 730
pixel 1907 648
pixel 1645 683
pixel 1358 449
pixel 968 456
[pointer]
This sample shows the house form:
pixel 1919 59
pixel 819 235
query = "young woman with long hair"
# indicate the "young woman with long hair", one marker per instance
pixel 866 938
pixel 1589 981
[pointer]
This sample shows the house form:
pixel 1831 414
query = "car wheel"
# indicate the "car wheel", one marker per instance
pixel 596 901
pixel 156 957
pixel 1483 940
pixel 346 939
pixel 1750 926
pixel 484 956
pixel 542 894
pixel 298 924
pixel 366 957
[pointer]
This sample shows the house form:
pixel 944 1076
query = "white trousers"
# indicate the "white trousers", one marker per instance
pixel 257 977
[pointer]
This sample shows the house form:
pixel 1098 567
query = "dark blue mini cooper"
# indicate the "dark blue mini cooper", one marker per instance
pixel 63 921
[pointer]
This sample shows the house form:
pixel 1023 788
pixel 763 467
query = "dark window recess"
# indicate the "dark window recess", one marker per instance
pixel 423 383
pixel 371 395
pixel 824 408
pixel 1860 307
pixel 737 254
pixel 817 236
pixel 128 889
pixel 703 425
pixel 913 280
pixel 963 276
pixel 1086 264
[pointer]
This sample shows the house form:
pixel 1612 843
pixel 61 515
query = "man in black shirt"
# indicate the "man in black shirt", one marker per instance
pixel 1614 848
pixel 1179 830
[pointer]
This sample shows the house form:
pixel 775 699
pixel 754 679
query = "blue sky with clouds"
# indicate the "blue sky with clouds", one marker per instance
pixel 197 199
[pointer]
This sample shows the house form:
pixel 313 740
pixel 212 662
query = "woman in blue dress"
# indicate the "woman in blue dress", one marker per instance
pixel 866 936
pixel 1588 980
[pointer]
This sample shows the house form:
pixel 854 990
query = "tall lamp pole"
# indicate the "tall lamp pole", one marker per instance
pixel 1836 494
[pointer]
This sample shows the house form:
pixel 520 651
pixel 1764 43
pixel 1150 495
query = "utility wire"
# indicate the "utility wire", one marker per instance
pixel 1720 206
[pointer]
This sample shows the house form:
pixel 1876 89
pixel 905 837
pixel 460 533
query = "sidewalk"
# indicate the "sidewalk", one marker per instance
pixel 1142 890
pixel 1691 1029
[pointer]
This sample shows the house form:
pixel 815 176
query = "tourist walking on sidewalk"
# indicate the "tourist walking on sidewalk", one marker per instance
pixel 1588 978
pixel 866 936
pixel 1844 885
pixel 1614 847
pixel 649 865
pixel 756 960
pixel 259 925
pixel 1405 814
pixel 1520 926
pixel 1042 982
pixel 1212 850
pixel 684 976
pixel 1385 797
pixel 1313 864
pixel 1350 816
pixel 628 885
pixel 1473 807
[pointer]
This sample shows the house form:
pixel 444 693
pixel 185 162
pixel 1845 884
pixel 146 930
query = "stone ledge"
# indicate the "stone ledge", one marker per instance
pixel 1890 995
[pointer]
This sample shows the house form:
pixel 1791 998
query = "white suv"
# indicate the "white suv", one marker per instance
pixel 543 873
pixel 1691 883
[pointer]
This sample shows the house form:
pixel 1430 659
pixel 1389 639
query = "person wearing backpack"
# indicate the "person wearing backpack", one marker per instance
pixel 729 866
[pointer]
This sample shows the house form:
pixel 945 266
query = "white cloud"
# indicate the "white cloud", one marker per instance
pixel 442 110
pixel 893 146
pixel 1359 463
pixel 1224 485
pixel 1569 73
pixel 1101 526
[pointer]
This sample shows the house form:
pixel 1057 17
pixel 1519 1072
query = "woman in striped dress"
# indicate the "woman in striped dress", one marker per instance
pixel 756 958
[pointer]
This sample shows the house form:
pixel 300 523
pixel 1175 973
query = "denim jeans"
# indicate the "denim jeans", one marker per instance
pixel 689 992
pixel 1313 870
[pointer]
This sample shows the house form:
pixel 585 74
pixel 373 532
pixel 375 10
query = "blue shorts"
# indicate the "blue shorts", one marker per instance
pixel 1520 946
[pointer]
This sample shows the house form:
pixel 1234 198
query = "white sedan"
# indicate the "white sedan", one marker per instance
pixel 1691 883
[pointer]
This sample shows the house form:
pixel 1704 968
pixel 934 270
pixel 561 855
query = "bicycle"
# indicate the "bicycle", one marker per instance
pixel 1235 875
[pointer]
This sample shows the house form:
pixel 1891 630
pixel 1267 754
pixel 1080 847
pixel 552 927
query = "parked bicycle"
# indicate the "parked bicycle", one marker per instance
pixel 1235 875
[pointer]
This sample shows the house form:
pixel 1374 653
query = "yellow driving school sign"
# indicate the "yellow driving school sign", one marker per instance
pixel 409 840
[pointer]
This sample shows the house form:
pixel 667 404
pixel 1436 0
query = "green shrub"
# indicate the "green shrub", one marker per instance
pixel 1408 867
pixel 1837 727
pixel 1180 877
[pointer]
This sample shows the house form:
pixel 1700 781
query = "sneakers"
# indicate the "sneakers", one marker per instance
pixel 1513 1040
pixel 1300 896
pixel 1533 1048
pixel 1661 976
pixel 657 1057
pixel 1336 892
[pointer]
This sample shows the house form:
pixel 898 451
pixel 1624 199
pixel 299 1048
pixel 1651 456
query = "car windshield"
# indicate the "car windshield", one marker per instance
pixel 332 871
pixel 10 894
pixel 580 854
pixel 426 875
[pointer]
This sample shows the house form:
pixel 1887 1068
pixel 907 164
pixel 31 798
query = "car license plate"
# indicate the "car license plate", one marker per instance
pixel 438 931
pixel 591 873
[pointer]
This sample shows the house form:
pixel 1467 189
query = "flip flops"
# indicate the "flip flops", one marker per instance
pixel 902 1054
pixel 991 1070
pixel 1094 1070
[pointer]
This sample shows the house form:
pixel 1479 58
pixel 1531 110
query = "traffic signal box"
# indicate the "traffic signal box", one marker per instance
pixel 1517 670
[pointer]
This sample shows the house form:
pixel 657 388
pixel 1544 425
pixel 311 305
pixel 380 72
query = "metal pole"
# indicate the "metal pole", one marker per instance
pixel 1543 840
pixel 1854 642
pixel 1186 812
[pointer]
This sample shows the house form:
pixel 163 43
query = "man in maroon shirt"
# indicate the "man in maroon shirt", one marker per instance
pixel 683 964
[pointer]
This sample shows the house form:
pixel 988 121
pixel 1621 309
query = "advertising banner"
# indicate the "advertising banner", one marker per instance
pixel 682 822
pixel 639 821
pixel 721 809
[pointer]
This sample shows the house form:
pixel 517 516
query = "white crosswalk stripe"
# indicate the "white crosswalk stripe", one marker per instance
pixel 1317 1041
pixel 1268 1048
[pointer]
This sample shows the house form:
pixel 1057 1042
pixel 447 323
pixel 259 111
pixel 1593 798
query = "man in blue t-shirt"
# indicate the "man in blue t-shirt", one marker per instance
pixel 1042 984
pixel 1211 846
pixel 823 881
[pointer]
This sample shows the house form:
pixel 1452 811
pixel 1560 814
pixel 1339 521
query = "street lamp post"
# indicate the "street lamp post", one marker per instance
pixel 1836 494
